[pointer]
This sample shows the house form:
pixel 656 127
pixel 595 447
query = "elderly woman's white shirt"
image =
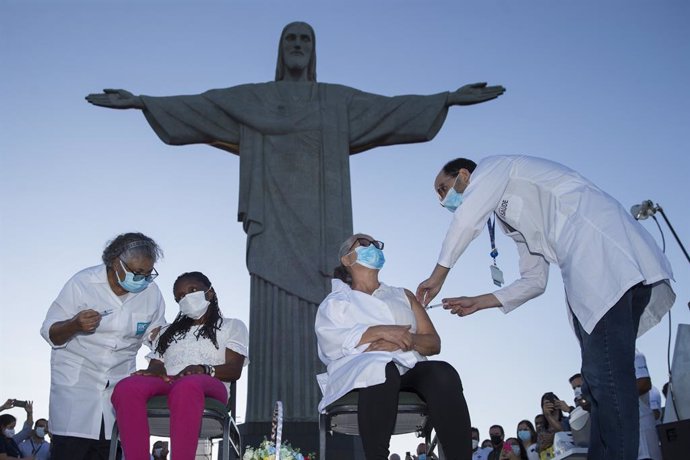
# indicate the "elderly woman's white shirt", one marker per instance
pixel 341 320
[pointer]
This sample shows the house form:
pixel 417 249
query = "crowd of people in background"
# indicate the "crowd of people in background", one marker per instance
pixel 534 438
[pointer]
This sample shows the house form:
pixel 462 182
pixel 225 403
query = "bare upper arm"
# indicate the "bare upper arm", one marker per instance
pixel 424 324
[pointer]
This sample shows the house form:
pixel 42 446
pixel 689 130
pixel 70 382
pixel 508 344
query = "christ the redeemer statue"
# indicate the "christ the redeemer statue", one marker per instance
pixel 294 137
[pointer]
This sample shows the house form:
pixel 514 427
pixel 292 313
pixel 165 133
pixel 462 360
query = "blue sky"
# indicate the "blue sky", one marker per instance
pixel 598 86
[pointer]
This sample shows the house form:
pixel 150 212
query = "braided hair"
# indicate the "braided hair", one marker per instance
pixel 182 324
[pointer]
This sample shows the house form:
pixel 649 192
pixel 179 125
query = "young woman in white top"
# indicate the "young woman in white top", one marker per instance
pixel 375 338
pixel 192 359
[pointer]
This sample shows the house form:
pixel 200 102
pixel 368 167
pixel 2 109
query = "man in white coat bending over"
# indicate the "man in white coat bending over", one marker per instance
pixel 616 279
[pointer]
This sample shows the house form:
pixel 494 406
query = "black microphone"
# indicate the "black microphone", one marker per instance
pixel 643 210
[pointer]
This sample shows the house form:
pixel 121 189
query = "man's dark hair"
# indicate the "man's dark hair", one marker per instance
pixel 453 167
pixel 7 419
pixel 503 433
pixel 576 376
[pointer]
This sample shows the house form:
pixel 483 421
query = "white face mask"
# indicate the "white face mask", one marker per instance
pixel 40 431
pixel 475 443
pixel 157 451
pixel 194 304
pixel 8 432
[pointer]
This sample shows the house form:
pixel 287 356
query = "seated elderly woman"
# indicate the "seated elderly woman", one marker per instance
pixel 192 358
pixel 375 338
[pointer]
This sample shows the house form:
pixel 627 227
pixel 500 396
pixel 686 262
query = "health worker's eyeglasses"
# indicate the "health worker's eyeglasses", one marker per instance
pixel 140 276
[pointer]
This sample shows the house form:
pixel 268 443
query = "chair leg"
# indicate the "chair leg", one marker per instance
pixel 323 419
pixel 114 438
pixel 226 440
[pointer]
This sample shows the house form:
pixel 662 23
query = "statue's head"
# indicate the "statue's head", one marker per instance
pixel 297 52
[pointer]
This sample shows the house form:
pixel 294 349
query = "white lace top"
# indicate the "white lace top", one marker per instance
pixel 189 350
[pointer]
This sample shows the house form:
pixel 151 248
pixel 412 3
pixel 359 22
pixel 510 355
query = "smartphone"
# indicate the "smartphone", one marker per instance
pixel 507 447
pixel 19 403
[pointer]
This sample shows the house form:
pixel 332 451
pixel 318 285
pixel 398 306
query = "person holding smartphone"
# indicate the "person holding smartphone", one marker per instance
pixel 9 438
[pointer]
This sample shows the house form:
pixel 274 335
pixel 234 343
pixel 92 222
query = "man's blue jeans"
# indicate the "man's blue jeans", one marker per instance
pixel 608 371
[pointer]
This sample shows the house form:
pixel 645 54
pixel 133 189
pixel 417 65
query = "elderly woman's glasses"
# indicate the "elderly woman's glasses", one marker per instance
pixel 140 276
pixel 366 242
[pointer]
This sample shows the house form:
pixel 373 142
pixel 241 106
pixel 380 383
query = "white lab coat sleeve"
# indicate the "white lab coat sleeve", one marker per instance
pixel 64 307
pixel 337 332
pixel 481 197
pixel 534 274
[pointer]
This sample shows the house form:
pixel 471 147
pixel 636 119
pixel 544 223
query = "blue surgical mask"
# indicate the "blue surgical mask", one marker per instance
pixel 421 457
pixel 129 284
pixel 516 450
pixel 524 435
pixel 453 198
pixel 370 257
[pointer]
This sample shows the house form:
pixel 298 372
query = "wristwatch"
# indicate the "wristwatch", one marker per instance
pixel 210 370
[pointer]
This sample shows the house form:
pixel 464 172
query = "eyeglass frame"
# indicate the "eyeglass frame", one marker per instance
pixel 139 276
pixel 376 243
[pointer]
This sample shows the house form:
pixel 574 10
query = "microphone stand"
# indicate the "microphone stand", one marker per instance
pixel 675 235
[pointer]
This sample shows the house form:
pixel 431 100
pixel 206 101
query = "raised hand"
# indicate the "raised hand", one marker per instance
pixel 115 99
pixel 475 93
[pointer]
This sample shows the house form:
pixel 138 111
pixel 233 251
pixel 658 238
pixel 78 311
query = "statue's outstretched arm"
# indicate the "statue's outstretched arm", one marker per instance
pixel 474 93
pixel 116 99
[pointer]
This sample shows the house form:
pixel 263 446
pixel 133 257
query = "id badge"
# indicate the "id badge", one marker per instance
pixel 496 275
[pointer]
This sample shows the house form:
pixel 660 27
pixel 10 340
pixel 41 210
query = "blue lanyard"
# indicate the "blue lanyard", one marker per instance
pixel 492 236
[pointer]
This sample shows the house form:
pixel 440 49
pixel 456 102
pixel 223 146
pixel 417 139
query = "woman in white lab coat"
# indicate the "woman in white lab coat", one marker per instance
pixel 95 328
pixel 375 338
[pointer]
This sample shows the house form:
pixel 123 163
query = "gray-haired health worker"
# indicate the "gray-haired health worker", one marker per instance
pixel 616 278
pixel 95 328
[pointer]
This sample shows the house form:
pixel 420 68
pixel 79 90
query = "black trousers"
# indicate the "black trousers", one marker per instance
pixel 439 385
pixel 74 448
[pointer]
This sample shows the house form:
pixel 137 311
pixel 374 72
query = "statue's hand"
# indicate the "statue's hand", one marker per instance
pixel 475 93
pixel 116 99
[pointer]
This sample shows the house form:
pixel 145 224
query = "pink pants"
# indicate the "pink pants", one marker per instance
pixel 186 403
